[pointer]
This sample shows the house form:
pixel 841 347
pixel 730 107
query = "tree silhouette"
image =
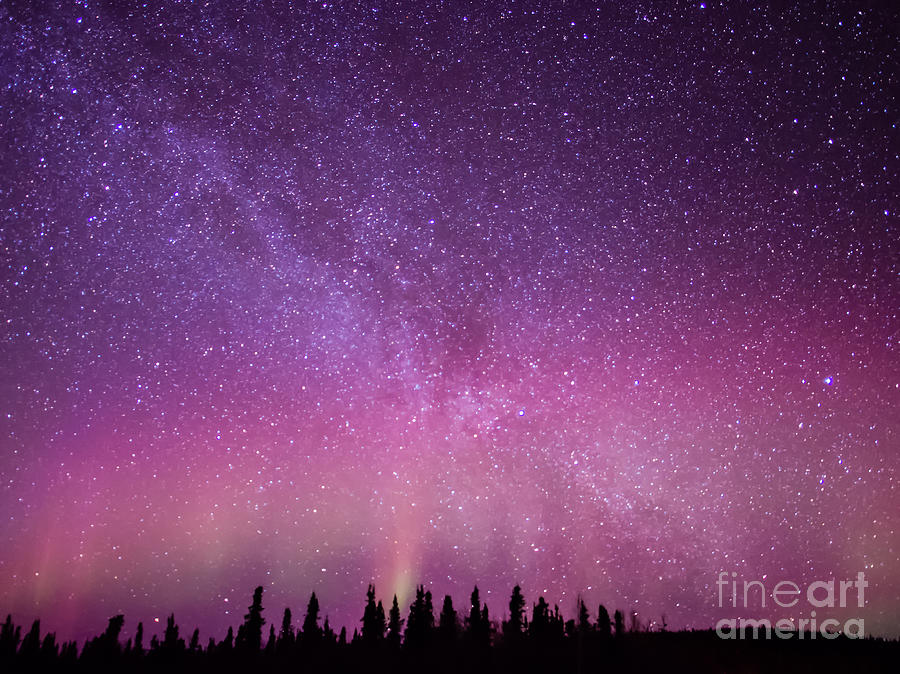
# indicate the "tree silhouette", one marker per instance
pixel 477 628
pixel 194 644
pixel 485 626
pixel 395 624
pixel 49 649
pixel 139 640
pixel 604 627
pixel 113 629
pixel 10 636
pixel 619 621
pixel 373 622
pixel 448 625
pixel 107 645
pixel 420 623
pixel 68 656
pixel 428 615
pixel 286 635
pixel 312 633
pixel 515 626
pixel 251 639
pixel 584 633
pixel 546 643
pixel 478 632
pixel 380 621
pixel 584 618
pixel 328 635
pixel 539 628
pixel 557 624
pixel 31 643
pixel 172 645
pixel 227 644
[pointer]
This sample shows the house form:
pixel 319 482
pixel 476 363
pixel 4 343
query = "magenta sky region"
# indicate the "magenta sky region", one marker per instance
pixel 600 300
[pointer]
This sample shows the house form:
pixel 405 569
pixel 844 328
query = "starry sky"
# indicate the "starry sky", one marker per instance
pixel 600 299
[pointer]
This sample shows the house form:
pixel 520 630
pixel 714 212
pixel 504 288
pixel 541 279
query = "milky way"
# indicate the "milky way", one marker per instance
pixel 600 300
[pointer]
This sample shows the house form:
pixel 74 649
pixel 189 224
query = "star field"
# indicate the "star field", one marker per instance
pixel 600 300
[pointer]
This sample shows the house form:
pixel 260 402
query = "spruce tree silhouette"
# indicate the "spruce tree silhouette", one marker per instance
pixel 10 636
pixel 428 616
pixel 328 635
pixel 478 634
pixel 227 644
pixel 515 626
pixel 373 622
pixel 417 624
pixel 172 645
pixel 380 621
pixel 557 624
pixel 286 635
pixel 604 627
pixel 113 630
pixel 103 649
pixel 539 629
pixel 546 643
pixel 448 625
pixel 478 629
pixel 139 640
pixel 619 622
pixel 68 656
pixel 395 625
pixel 106 647
pixel 253 624
pixel 49 649
pixel 584 618
pixel 584 634
pixel 194 645
pixel 312 632
pixel 368 618
pixel 473 626
pixel 31 644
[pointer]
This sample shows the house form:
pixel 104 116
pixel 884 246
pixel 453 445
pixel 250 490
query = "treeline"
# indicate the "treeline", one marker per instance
pixel 425 640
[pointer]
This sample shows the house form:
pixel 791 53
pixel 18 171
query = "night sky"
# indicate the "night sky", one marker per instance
pixel 601 300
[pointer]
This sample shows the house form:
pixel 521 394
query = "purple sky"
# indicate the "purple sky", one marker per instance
pixel 598 300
